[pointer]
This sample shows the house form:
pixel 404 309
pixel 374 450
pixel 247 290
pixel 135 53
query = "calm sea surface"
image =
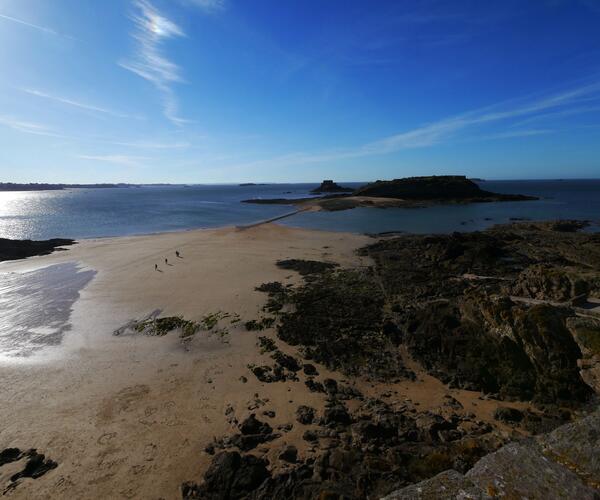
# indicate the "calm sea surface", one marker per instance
pixel 86 213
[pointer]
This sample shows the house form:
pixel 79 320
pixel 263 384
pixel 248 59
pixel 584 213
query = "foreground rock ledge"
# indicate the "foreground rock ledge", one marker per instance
pixel 562 464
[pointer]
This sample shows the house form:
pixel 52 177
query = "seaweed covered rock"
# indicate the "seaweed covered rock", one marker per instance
pixel 501 347
pixel 338 319
pixel 306 267
pixel 453 309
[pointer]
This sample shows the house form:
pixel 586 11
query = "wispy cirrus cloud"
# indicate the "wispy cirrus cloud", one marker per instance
pixel 154 145
pixel 448 128
pixel 28 127
pixel 74 103
pixel 207 5
pixel 151 30
pixel 118 159
pixel 34 26
pixel 514 134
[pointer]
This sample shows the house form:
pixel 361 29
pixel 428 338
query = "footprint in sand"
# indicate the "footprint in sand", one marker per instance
pixel 106 438
pixel 150 451
pixel 124 400
pixel 150 410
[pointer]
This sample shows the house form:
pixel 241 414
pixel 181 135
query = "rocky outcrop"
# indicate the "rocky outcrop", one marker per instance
pixel 252 433
pixel 443 187
pixel 337 318
pixel 492 311
pixel 363 453
pixel 328 186
pixel 230 476
pixel 499 347
pixel 21 249
pixel 546 282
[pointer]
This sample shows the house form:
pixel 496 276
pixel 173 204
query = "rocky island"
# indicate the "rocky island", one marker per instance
pixel 401 193
pixel 328 186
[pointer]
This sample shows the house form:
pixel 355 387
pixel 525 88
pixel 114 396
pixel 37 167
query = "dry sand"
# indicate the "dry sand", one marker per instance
pixel 129 416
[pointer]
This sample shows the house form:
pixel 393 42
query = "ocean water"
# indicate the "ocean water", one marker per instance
pixel 567 199
pixel 86 213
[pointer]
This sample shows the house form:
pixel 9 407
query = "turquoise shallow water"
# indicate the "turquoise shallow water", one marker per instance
pixel 90 213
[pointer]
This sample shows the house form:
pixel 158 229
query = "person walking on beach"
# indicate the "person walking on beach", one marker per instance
pixel 156 267
pixel 177 253
pixel 166 261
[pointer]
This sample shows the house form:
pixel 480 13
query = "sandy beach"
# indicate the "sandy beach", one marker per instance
pixel 129 416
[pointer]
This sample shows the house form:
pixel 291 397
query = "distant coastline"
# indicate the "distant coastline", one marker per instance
pixel 34 186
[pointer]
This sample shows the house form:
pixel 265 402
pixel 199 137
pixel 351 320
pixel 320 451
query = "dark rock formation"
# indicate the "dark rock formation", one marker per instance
pixel 546 282
pixel 506 414
pixel 338 319
pixel 230 476
pixel 454 313
pixel 309 369
pixel 252 433
pixel 286 361
pixel 254 426
pixel 498 346
pixel 328 186
pixel 336 414
pixel 36 465
pixel 9 455
pixel 21 249
pixel 306 267
pixel 289 454
pixel 305 414
pixel 367 453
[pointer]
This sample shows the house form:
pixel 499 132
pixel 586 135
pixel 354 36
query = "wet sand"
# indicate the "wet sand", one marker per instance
pixel 129 416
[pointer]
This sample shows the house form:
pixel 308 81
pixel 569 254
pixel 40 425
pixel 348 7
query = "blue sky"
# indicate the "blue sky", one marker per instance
pixel 256 90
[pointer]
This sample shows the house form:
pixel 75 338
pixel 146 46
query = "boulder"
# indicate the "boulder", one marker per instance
pixel 506 414
pixel 230 476
pixel 305 414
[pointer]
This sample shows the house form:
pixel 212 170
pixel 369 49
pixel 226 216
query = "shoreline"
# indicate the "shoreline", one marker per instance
pixel 115 411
